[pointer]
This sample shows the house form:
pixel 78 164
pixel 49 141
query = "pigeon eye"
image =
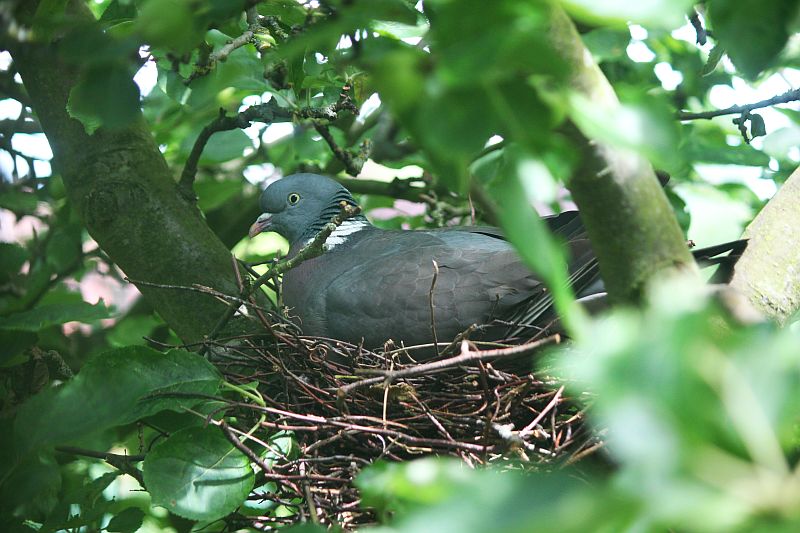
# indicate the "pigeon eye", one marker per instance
pixel 293 198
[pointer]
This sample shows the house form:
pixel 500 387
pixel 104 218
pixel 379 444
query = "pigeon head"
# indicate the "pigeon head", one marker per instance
pixel 298 206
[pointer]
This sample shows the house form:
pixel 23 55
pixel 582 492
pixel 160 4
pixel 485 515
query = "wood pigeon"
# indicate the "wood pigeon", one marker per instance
pixel 373 284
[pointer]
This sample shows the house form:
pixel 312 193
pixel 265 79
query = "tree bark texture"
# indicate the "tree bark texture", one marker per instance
pixel 629 220
pixel 768 273
pixel 121 186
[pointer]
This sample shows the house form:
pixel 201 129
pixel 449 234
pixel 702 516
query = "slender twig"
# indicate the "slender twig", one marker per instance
pixel 404 188
pixel 466 356
pixel 432 307
pixel 205 66
pixel 788 96
pixel 530 427
pixel 699 29
pixel 268 112
pixel 123 463
pixel 231 436
pixel 99 455
pixel 352 163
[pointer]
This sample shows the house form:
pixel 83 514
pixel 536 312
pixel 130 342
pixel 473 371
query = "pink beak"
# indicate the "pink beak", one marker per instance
pixel 260 225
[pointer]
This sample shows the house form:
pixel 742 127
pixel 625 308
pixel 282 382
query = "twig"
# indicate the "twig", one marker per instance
pixel 432 308
pixel 788 96
pixel 203 67
pixel 352 163
pixel 403 188
pixel 268 112
pixel 231 436
pixel 699 29
pixel 123 463
pixel 530 427
pixel 466 356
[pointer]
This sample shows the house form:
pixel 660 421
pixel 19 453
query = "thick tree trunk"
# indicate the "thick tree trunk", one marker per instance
pixel 768 273
pixel 630 222
pixel 120 184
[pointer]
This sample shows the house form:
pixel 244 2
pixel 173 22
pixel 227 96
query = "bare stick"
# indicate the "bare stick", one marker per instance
pixel 466 356
pixel 788 96
pixel 430 303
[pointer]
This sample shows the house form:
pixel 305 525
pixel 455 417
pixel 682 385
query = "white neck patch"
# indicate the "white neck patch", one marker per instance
pixel 342 232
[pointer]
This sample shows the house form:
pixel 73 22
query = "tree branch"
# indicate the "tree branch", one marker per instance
pixel 631 225
pixel 202 68
pixel 466 356
pixel 268 112
pixel 123 463
pixel 768 273
pixel 120 185
pixel 788 96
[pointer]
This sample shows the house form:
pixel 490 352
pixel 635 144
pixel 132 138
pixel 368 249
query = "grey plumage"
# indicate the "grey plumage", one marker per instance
pixel 375 285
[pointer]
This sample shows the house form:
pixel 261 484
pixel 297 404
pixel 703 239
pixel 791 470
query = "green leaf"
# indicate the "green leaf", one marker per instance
pixel 290 12
pixel 213 193
pixel 48 15
pixel 12 257
pixel 196 473
pixel 64 246
pixel 607 43
pixel 442 495
pixel 707 145
pixel 172 24
pixel 515 195
pixel 308 527
pixel 105 96
pixel 114 388
pixel 779 142
pixel 645 126
pixel 667 14
pixel 228 81
pixel 30 488
pixel 45 316
pixel 131 330
pixel 714 58
pixel 223 146
pixel 19 202
pixel 118 11
pixel 13 343
pixel 127 521
pixel 757 126
pixel 753 32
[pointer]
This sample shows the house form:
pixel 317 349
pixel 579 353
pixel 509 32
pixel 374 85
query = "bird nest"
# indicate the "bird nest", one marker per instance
pixel 347 407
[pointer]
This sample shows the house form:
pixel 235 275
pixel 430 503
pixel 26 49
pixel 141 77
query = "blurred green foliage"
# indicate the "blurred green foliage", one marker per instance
pixel 701 416
pixel 700 412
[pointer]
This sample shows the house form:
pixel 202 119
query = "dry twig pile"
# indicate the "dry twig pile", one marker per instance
pixel 347 407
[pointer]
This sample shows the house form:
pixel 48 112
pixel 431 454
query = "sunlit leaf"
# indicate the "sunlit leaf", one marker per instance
pixel 197 473
pixel 19 202
pixel 668 14
pixel 116 387
pixel 753 32
pixel 127 521
pixel 757 126
pixel 104 97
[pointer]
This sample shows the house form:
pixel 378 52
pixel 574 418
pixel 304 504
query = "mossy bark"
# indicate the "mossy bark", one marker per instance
pixel 630 222
pixel 126 194
pixel 768 273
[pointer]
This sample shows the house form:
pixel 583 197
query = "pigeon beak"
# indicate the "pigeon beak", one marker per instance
pixel 261 225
